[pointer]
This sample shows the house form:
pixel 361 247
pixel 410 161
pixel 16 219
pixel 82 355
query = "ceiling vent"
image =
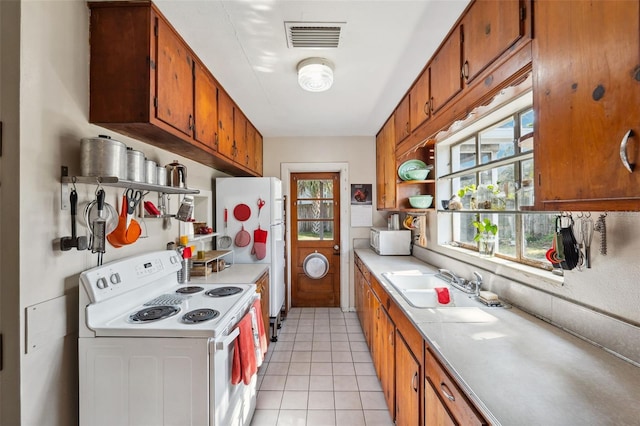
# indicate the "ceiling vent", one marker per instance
pixel 313 35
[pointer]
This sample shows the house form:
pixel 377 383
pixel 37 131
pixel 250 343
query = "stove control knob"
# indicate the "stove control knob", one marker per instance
pixel 102 283
pixel 174 259
pixel 115 278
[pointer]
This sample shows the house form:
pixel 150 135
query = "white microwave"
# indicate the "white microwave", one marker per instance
pixel 389 242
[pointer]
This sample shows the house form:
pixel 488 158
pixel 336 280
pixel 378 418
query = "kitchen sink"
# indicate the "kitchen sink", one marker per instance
pixel 421 289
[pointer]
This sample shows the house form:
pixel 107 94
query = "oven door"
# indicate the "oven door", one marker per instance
pixel 231 405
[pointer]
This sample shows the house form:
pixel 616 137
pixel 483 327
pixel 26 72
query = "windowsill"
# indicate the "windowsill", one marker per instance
pixel 498 266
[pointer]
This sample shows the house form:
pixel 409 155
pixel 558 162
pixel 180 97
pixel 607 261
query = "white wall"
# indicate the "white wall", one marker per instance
pixel 53 113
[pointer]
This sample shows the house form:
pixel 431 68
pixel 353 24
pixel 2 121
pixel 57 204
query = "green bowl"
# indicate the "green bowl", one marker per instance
pixel 421 201
pixel 417 174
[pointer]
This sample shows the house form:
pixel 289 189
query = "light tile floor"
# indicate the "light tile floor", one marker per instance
pixel 320 373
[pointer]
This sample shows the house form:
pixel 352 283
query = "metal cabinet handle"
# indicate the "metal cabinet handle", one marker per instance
pixel 427 107
pixel 391 338
pixel 464 73
pixel 447 392
pixel 414 382
pixel 623 151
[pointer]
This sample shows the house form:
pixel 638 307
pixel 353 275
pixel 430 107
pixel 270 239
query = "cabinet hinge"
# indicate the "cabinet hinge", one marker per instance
pixel 523 13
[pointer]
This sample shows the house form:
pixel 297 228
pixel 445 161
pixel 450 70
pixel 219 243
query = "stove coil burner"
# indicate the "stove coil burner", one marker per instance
pixel 223 291
pixel 189 289
pixel 154 313
pixel 200 315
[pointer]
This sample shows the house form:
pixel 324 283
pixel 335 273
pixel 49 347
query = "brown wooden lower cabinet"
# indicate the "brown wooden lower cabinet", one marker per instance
pixel 408 383
pixel 262 287
pixel 447 404
pixel 418 390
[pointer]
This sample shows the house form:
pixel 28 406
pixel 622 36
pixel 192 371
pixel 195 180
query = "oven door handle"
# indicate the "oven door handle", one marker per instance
pixel 224 343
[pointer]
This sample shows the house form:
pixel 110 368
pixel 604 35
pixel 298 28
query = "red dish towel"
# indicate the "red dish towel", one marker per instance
pixel 261 332
pixel 244 356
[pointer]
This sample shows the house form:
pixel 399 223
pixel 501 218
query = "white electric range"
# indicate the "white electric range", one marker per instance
pixel 153 351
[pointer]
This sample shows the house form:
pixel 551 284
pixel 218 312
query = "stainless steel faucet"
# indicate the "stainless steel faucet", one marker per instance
pixel 477 283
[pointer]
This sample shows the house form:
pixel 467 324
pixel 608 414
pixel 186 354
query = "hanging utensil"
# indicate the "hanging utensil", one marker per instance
pixel 586 229
pixel 67 243
pixel 225 241
pixel 601 227
pixel 133 199
pixel 98 229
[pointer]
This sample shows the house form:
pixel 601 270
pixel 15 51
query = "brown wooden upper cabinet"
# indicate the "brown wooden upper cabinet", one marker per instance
pixel 490 28
pixel 445 78
pixel 146 83
pixel 402 123
pixel 174 67
pixel 386 166
pixel 587 104
pixel 225 124
pixel 419 98
pixel 206 108
pixel 239 137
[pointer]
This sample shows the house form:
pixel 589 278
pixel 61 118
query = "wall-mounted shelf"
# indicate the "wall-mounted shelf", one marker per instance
pixel 122 183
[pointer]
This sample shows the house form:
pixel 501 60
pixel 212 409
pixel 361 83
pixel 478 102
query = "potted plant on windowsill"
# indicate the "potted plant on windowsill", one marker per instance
pixel 486 236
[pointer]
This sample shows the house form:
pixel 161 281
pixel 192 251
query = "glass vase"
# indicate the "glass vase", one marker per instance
pixel 487 246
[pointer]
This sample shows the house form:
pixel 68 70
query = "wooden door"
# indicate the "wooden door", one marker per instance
pixel 225 124
pixel 419 97
pixel 206 107
pixel 445 67
pixel 586 98
pixel 250 157
pixel 174 80
pixel 490 29
pixel 315 239
pixel 402 120
pixel 407 384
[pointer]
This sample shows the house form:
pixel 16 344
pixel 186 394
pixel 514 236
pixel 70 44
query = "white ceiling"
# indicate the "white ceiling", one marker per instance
pixel 383 47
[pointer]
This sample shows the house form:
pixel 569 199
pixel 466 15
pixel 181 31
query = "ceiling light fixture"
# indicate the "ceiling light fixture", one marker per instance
pixel 315 74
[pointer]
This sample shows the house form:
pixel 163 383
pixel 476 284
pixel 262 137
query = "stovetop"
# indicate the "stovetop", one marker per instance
pixel 141 297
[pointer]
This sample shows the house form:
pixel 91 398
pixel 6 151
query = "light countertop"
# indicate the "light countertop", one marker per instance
pixel 234 274
pixel 518 369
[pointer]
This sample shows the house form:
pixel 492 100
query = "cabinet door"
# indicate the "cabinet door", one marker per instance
pixel 225 124
pixel 262 287
pixel 446 81
pixel 586 99
pixel 419 97
pixel 258 159
pixel 206 107
pixel 435 414
pixel 386 166
pixel 251 147
pixel 490 29
pixel 386 342
pixel 239 137
pixel 402 117
pixel 174 80
pixel 408 380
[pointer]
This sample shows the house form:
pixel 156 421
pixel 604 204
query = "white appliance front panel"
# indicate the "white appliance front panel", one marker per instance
pixel 133 381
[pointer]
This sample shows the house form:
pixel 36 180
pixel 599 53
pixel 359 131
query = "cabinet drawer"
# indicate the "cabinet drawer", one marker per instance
pixel 459 406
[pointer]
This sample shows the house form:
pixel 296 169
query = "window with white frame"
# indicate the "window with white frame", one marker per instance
pixel 489 166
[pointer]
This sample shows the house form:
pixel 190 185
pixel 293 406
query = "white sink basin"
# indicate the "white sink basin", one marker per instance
pixel 419 288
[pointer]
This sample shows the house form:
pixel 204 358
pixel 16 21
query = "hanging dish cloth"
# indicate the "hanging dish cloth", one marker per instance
pixel 244 356
pixel 259 249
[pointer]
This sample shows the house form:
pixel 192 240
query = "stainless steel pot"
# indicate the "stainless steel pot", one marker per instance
pixel 135 165
pixel 103 156
pixel 176 175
